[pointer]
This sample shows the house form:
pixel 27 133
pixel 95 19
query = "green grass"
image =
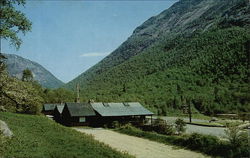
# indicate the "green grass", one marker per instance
pixel 194 116
pixel 37 136
pixel 207 123
pixel 231 122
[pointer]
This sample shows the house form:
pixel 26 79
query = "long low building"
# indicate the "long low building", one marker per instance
pixel 98 114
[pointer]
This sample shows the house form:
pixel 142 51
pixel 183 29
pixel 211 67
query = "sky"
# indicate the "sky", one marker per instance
pixel 68 37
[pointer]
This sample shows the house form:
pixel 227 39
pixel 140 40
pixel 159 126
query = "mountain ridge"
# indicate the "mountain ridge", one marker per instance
pixel 175 41
pixel 16 64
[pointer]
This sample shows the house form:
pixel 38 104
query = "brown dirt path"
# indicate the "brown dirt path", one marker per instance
pixel 141 148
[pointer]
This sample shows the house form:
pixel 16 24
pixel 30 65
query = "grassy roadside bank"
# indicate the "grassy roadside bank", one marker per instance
pixel 37 136
pixel 206 144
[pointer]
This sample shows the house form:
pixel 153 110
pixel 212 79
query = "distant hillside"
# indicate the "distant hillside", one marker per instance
pixel 196 52
pixel 16 65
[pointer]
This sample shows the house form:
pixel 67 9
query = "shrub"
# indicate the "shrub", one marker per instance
pixel 234 135
pixel 180 126
pixel 204 143
pixel 238 140
pixel 162 127
pixel 115 124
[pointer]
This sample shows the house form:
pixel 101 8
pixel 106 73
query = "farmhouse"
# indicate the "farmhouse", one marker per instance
pixel 132 112
pixel 75 114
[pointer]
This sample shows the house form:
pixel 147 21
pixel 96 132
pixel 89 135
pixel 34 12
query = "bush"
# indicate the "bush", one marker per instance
pixel 162 127
pixel 204 143
pixel 115 124
pixel 180 126
pixel 238 140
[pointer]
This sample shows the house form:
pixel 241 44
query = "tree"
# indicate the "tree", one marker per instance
pixel 27 75
pixel 19 96
pixel 13 22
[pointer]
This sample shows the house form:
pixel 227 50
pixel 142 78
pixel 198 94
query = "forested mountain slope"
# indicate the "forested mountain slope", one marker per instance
pixel 16 64
pixel 196 52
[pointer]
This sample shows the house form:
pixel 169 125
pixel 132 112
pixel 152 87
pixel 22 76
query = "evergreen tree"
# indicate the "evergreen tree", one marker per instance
pixel 27 75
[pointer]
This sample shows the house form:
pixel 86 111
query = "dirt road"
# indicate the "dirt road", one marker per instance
pixel 141 148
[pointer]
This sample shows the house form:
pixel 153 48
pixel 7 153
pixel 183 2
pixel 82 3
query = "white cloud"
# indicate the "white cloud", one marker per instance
pixel 94 54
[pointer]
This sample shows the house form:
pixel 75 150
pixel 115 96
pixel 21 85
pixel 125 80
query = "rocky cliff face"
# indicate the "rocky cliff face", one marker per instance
pixel 196 49
pixel 183 18
pixel 16 64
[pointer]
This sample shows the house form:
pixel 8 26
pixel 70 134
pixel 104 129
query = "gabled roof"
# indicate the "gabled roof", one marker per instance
pixel 120 109
pixel 80 109
pixel 49 107
pixel 59 108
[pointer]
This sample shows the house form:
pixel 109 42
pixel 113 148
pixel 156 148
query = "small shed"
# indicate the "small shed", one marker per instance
pixel 58 113
pixel 132 112
pixel 75 114
pixel 48 109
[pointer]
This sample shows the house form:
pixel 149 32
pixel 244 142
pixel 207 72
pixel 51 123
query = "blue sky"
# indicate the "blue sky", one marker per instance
pixel 68 37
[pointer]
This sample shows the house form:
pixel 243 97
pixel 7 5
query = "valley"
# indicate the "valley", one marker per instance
pixel 177 87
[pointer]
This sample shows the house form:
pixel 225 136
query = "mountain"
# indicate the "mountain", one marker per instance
pixel 196 52
pixel 16 64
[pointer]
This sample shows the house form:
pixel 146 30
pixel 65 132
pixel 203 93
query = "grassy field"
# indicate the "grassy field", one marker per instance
pixel 37 136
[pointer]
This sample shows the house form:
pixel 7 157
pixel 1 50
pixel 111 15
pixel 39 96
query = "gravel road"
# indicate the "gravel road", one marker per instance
pixel 215 131
pixel 141 148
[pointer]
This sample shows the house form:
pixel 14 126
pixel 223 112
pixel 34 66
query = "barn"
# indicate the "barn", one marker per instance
pixel 132 112
pixel 58 113
pixel 77 114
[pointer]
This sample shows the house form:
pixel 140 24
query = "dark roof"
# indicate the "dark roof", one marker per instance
pixel 59 108
pixel 49 107
pixel 120 109
pixel 80 109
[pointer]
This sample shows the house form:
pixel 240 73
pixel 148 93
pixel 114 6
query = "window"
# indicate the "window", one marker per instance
pixel 82 119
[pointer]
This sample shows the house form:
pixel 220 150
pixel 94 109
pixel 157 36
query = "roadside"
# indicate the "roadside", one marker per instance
pixel 141 148
pixel 192 128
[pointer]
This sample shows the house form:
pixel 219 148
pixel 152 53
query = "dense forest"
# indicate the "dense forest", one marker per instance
pixel 202 61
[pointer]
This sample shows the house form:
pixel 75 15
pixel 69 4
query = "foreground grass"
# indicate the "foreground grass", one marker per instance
pixel 37 136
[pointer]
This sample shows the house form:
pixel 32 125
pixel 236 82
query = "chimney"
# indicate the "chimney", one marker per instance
pixel 77 93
